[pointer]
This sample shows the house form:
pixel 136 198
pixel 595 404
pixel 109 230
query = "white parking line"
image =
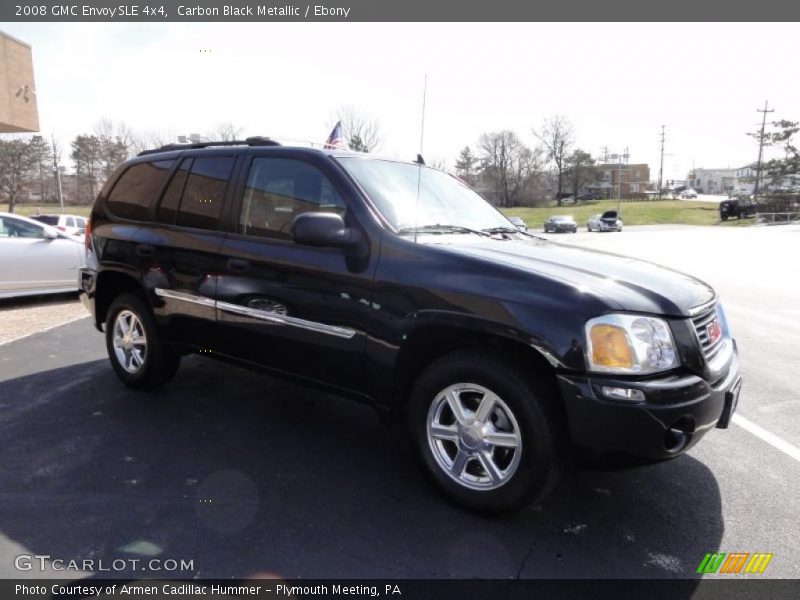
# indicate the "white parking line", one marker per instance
pixel 772 439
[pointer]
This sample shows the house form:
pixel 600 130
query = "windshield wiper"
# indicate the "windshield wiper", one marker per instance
pixel 501 230
pixel 441 228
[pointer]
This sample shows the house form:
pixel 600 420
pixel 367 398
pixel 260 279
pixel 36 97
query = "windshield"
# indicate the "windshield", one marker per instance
pixel 443 199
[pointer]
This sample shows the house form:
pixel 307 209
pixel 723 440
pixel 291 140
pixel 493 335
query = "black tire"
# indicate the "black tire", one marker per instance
pixel 160 362
pixel 742 215
pixel 531 400
pixel 723 217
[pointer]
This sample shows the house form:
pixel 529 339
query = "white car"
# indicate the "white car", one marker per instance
pixel 36 258
pixel 71 224
pixel 688 194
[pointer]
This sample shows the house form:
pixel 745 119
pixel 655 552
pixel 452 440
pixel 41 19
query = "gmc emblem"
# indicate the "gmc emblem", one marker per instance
pixel 714 331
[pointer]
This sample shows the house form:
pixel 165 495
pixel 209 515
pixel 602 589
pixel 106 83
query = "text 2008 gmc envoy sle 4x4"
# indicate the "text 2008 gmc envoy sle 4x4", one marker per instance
pixel 396 284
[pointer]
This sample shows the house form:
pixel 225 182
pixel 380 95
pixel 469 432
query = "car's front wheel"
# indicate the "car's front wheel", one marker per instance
pixel 485 431
pixel 139 357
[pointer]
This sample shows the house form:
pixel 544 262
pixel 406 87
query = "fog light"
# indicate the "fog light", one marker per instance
pixel 621 393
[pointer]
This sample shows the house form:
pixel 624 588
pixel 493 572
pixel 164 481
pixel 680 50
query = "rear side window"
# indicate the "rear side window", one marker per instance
pixel 46 219
pixel 278 189
pixel 168 208
pixel 204 192
pixel 137 189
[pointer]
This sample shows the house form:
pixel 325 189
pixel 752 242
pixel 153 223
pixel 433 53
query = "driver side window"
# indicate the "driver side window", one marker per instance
pixel 277 190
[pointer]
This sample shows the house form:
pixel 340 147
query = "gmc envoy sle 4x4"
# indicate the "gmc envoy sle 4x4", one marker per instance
pixel 396 284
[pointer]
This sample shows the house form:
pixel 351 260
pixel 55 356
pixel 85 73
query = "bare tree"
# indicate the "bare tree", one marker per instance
pixel 361 132
pixel 18 164
pixel 508 165
pixel 225 132
pixel 150 139
pixel 558 138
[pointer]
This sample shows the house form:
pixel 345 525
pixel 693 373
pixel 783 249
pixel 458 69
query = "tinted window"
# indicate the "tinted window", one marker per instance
pixel 81 221
pixel 15 228
pixel 277 190
pixel 204 193
pixel 46 219
pixel 137 189
pixel 172 197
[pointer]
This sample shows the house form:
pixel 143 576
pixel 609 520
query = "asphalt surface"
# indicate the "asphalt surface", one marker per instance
pixel 243 474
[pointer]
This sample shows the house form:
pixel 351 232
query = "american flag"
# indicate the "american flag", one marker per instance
pixel 335 139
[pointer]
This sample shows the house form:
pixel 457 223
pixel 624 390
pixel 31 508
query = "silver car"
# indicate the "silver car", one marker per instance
pixel 37 258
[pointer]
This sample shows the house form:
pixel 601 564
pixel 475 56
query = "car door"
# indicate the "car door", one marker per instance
pixel 31 261
pixel 178 252
pixel 294 308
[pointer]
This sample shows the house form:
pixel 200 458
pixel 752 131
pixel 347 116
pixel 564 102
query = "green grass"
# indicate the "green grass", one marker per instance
pixel 26 210
pixel 653 212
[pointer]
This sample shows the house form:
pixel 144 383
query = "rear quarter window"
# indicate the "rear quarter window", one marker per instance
pixel 137 189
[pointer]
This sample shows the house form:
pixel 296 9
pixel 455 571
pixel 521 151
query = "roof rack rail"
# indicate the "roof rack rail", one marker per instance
pixel 257 140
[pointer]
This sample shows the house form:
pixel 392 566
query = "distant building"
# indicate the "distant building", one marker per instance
pixel 631 179
pixel 18 109
pixel 746 181
pixel 712 181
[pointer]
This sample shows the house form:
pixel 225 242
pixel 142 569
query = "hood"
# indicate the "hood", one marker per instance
pixel 609 215
pixel 623 283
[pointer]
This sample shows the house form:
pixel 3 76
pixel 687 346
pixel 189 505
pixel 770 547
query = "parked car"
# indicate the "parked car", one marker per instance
pixel 36 258
pixel 737 207
pixel 607 221
pixel 587 196
pixel 690 193
pixel 518 223
pixel 559 224
pixel 71 224
pixel 388 282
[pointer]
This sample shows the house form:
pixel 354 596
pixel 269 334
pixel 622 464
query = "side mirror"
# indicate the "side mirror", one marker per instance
pixel 323 229
pixel 49 233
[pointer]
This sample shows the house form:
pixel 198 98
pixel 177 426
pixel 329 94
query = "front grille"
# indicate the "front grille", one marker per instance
pixel 701 321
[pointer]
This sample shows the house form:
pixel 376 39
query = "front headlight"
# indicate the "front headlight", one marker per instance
pixel 630 344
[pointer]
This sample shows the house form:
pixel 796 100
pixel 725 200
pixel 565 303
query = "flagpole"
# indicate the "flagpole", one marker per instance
pixel 422 125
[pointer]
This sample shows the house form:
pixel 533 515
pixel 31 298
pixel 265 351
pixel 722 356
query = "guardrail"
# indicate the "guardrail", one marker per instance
pixel 777 218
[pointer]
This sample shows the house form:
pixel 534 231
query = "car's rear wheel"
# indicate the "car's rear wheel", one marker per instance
pixel 140 359
pixel 485 431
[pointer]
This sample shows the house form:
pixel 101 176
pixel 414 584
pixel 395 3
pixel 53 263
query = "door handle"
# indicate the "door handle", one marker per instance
pixel 145 251
pixel 238 265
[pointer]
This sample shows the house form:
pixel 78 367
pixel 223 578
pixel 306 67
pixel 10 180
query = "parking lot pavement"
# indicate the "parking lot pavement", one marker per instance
pixel 241 473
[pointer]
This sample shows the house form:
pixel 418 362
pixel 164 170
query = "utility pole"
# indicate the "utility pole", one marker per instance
pixel 661 167
pixel 57 173
pixel 761 147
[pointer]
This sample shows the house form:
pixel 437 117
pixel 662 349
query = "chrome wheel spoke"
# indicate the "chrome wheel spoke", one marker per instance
pixel 454 402
pixel 459 463
pixel 444 432
pixel 488 464
pixel 502 438
pixel 485 407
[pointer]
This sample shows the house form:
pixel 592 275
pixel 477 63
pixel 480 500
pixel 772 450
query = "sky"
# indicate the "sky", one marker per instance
pixel 616 83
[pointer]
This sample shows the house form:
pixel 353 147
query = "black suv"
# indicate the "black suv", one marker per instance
pixel 396 284
pixel 737 207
